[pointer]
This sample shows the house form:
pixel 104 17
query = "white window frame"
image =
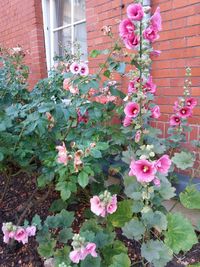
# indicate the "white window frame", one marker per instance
pixel 48 7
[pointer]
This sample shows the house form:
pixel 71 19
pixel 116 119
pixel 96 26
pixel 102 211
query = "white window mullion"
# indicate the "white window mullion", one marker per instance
pixel 72 25
pixel 52 11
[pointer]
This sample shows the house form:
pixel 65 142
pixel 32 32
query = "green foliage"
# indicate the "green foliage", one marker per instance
pixel 109 251
pixel 190 197
pixel 156 252
pixel 183 160
pixel 134 229
pixel 120 260
pixel 180 235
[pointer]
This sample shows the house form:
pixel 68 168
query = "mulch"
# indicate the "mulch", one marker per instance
pixel 13 205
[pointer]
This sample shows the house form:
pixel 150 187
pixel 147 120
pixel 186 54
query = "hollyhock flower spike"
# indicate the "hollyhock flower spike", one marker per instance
pixel 135 12
pixel 175 120
pixel 185 112
pixel 131 41
pixel 143 169
pixel 84 70
pixel 150 86
pixel 156 20
pixel 191 102
pixel 132 109
pixel 131 86
pixel 127 121
pixel 150 34
pixel 75 68
pixel 163 164
pixel 126 27
pixel 155 112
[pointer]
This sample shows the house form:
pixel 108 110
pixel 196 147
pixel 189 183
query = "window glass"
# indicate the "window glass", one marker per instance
pixel 62 39
pixel 62 13
pixel 81 38
pixel 79 10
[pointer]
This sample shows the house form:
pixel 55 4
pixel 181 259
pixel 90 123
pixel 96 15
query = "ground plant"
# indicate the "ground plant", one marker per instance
pixel 64 135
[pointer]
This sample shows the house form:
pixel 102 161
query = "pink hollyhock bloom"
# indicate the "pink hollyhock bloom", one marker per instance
pixel 131 41
pixel 74 90
pixel 176 106
pixel 156 182
pixel 62 154
pixel 112 206
pixel 150 34
pixel 191 102
pixel 143 170
pixel 66 84
pixel 127 121
pixel 97 207
pixel 21 235
pixel 31 230
pixel 91 249
pixel 126 27
pixel 131 86
pixel 175 120
pixel 76 255
pixel 155 112
pixel 163 164
pixel 135 12
pixel 75 68
pixel 84 70
pixel 132 109
pixel 150 86
pixel 156 20
pixel 185 112
pixel 82 118
pixel 155 53
pixel 137 136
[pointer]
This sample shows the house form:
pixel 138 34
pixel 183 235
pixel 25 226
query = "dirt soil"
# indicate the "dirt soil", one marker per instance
pixel 13 205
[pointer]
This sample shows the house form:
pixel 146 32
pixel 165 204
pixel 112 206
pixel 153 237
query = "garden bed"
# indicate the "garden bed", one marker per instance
pixel 19 255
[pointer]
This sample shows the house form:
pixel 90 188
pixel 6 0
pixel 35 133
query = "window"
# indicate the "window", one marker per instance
pixel 64 25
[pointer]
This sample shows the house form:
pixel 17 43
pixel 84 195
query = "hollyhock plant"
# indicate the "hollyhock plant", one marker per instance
pixel 132 109
pixel 135 12
pixel 155 53
pixel 62 154
pixel 191 102
pixel 84 70
pixel 75 68
pixel 131 41
pixel 156 20
pixel 132 86
pixel 185 112
pixel 150 86
pixel 150 34
pixel 163 164
pixel 143 169
pixel 66 84
pixel 155 112
pixel 126 27
pixel 175 120
pixel 127 121
pixel 137 136
pixel 21 235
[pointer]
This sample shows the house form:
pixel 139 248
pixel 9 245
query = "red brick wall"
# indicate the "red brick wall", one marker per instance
pixel 179 42
pixel 21 23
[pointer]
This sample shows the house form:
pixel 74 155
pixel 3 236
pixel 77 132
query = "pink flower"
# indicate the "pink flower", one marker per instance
pixel 143 170
pixel 91 249
pixel 132 109
pixel 82 118
pixel 127 121
pixel 21 235
pixel 155 53
pixel 191 102
pixel 175 120
pixel 156 20
pixel 131 86
pixel 112 205
pixel 131 41
pixel 62 154
pixel 156 182
pixel 155 112
pixel 126 27
pixel 97 206
pixel 163 164
pixel 31 230
pixel 84 70
pixel 66 84
pixel 75 68
pixel 150 34
pixel 135 12
pixel 137 136
pixel 76 255
pixel 150 86
pixel 185 112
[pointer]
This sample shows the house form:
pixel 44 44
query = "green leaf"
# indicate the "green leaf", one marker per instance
pixel 83 179
pixel 121 260
pixel 122 215
pixel 156 252
pixel 64 235
pixel 155 219
pixel 133 229
pixel 1 156
pixel 111 250
pixel 104 238
pixel 36 221
pixel 90 261
pixel 47 249
pixel 166 190
pixel 180 235
pixel 58 205
pixel 107 73
pixel 190 198
pixel 183 160
pixel 96 153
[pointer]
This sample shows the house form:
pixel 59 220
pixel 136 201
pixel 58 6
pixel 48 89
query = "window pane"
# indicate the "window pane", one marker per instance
pixel 79 10
pixel 81 38
pixel 62 40
pixel 62 13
